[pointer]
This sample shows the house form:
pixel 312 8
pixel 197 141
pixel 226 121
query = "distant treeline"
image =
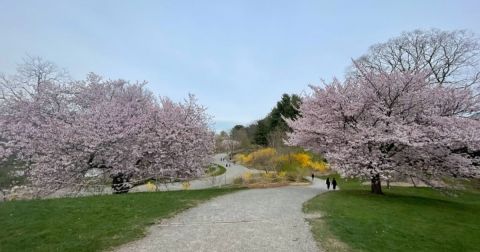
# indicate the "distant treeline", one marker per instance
pixel 269 131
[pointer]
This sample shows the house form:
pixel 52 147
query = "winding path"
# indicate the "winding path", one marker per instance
pixel 249 220
pixel 232 172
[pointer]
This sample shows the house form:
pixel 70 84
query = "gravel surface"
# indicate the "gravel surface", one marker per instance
pixel 250 220
pixel 232 172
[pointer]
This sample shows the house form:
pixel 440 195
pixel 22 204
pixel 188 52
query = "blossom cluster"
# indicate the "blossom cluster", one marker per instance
pixel 391 124
pixel 64 129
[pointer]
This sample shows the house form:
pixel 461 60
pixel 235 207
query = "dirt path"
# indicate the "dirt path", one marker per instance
pixel 249 220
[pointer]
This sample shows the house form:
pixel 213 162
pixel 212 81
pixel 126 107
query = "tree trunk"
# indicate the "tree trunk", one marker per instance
pixel 413 182
pixel 121 183
pixel 376 184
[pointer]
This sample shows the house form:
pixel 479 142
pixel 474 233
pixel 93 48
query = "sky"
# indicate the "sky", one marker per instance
pixel 237 57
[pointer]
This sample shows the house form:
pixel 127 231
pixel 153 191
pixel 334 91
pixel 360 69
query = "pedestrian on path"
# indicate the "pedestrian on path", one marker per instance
pixel 313 176
pixel 334 183
pixel 328 184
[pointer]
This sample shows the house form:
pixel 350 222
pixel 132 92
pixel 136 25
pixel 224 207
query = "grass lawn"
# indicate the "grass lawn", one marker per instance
pixel 404 219
pixel 89 223
pixel 216 170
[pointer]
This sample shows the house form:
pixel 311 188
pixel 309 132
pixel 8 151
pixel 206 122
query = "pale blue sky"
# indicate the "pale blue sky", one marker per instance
pixel 237 57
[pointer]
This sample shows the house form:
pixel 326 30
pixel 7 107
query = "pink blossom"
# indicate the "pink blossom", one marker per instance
pixel 63 129
pixel 391 124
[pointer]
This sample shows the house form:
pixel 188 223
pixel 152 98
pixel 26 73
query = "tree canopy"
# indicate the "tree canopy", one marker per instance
pixel 409 107
pixel 62 129
pixel 271 129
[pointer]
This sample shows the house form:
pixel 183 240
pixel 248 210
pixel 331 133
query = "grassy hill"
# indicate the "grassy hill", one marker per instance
pixel 89 223
pixel 404 219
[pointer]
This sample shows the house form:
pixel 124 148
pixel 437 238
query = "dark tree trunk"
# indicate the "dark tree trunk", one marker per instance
pixel 413 182
pixel 121 183
pixel 376 184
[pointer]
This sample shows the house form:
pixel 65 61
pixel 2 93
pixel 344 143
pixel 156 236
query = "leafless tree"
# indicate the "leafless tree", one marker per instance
pixel 451 57
pixel 32 75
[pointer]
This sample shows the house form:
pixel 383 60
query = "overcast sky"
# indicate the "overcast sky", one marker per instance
pixel 237 57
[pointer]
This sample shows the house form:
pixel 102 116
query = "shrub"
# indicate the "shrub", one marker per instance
pixel 151 187
pixel 247 176
pixel 295 164
pixel 185 185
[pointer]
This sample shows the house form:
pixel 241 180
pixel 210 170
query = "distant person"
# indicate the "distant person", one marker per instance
pixel 328 183
pixel 334 183
pixel 313 176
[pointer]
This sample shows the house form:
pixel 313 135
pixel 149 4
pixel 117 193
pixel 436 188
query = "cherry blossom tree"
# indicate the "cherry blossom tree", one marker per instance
pixel 64 129
pixel 381 124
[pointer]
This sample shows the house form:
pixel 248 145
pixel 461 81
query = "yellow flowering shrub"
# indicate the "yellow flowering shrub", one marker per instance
pixel 265 152
pixel 151 187
pixel 282 158
pixel 185 185
pixel 247 176
pixel 303 159
pixel 269 176
pixel 319 166
pixel 243 159
pixel 280 166
pixel 261 157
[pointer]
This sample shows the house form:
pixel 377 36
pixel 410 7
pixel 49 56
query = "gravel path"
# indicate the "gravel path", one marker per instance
pixel 250 220
pixel 232 172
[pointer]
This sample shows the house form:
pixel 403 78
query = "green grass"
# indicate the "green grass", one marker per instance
pixel 216 170
pixel 404 219
pixel 7 179
pixel 89 223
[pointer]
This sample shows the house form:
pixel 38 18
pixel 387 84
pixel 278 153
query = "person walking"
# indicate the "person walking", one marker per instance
pixel 313 176
pixel 334 183
pixel 328 184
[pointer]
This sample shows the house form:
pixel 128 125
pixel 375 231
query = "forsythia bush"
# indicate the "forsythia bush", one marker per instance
pixel 243 159
pixel 246 176
pixel 269 157
pixel 151 187
pixel 260 157
pixel 185 185
pixel 319 166
pixel 249 178
pixel 302 159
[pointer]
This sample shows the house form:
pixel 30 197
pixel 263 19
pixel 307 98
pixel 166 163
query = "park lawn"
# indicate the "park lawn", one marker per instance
pixel 89 223
pixel 404 219
pixel 216 170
